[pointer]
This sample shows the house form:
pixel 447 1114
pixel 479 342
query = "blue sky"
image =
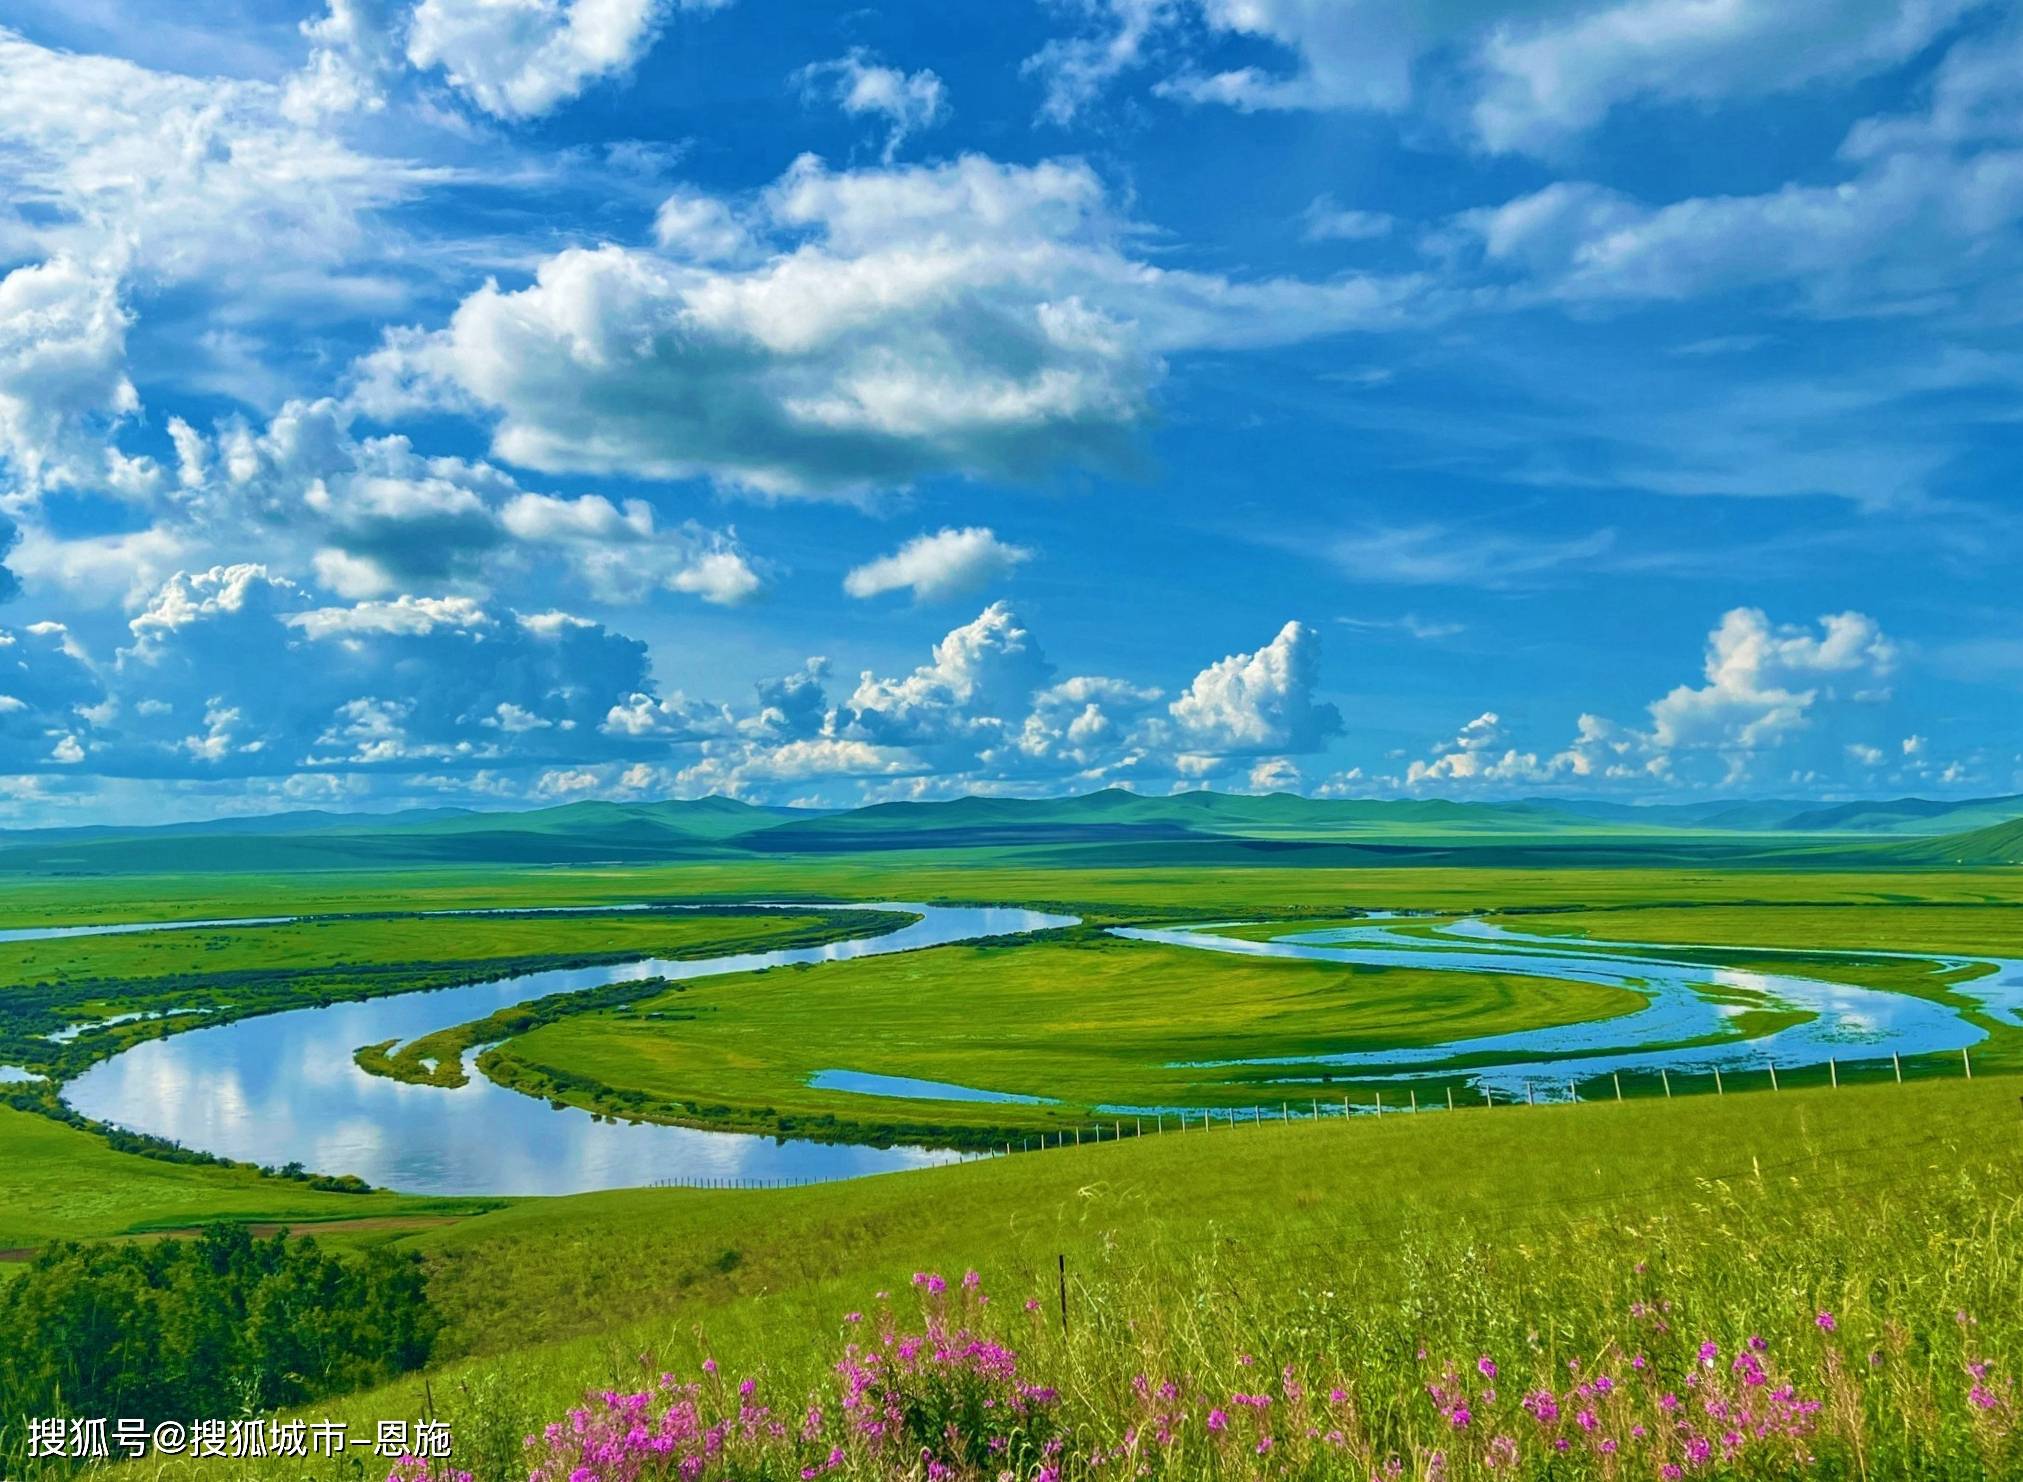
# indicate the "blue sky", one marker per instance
pixel 491 402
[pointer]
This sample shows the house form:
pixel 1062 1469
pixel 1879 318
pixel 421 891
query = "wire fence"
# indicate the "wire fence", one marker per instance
pixel 1178 1120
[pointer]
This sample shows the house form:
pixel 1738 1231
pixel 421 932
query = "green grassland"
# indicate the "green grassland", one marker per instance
pixel 1991 926
pixel 61 1183
pixel 394 941
pixel 1342 1250
pixel 209 975
pixel 956 877
pixel 1086 1020
pixel 1096 1021
pixel 1089 1022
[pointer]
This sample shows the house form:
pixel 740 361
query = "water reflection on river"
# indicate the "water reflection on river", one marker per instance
pixel 1683 1000
pixel 283 1088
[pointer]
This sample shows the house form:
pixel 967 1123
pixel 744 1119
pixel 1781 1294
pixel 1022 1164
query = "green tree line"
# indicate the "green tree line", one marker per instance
pixel 219 1326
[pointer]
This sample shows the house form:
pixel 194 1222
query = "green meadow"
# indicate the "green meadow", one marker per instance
pixel 1364 1259
pixel 61 1183
pixel 1314 1298
pixel 1083 1021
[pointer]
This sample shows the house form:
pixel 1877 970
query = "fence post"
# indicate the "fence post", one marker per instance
pixel 1897 1064
pixel 1380 1103
pixel 1833 1072
pixel 1571 1094
pixel 1488 1096
pixel 1415 1098
pixel 1450 1098
pixel 1773 1075
pixel 1617 1077
pixel 1529 1099
pixel 1717 1081
pixel 1666 1076
pixel 1966 1064
pixel 1345 1106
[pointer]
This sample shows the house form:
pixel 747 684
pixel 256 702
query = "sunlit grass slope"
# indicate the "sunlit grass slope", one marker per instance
pixel 1363 1257
pixel 59 1183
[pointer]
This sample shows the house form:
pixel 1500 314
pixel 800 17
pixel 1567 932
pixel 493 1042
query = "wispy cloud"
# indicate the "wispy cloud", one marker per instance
pixel 1411 625
pixel 1448 555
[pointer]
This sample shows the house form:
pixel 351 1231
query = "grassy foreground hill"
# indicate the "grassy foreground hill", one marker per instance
pixel 1805 1284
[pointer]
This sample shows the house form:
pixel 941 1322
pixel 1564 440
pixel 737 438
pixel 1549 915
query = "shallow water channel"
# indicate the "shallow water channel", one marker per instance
pixel 1684 1001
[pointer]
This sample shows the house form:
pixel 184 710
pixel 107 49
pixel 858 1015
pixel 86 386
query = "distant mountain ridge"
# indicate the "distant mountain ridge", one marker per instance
pixel 1116 814
pixel 1202 826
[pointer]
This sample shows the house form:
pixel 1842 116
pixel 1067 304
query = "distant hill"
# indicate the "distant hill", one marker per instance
pixel 1711 813
pixel 308 820
pixel 1112 827
pixel 1997 844
pixel 1115 816
pixel 571 833
pixel 1909 815
pixel 1806 816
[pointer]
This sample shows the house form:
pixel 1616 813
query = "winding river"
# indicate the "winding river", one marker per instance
pixel 283 1088
pixel 1842 1022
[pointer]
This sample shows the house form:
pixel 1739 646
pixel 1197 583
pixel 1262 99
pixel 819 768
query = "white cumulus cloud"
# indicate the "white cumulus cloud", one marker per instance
pixel 1763 680
pixel 948 563
pixel 522 58
pixel 1259 702
pixel 969 317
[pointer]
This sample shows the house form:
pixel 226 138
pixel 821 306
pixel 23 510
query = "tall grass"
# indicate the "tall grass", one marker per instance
pixel 1732 1339
pixel 1819 1284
